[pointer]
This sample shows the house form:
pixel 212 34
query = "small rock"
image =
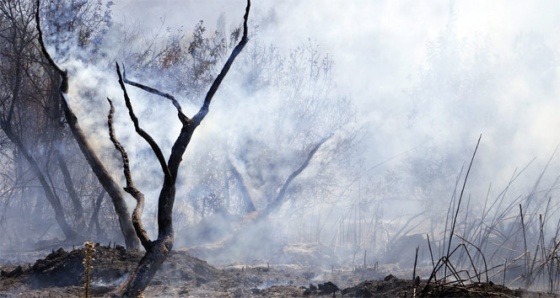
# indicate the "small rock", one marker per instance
pixel 238 293
pixel 328 288
pixel 389 277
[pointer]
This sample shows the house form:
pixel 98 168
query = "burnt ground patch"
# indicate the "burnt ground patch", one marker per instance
pixel 61 274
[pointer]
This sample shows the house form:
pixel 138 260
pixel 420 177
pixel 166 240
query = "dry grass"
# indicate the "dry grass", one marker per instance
pixel 513 235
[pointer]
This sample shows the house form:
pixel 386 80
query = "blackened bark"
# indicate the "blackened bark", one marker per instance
pixel 158 250
pixel 106 180
pixel 130 187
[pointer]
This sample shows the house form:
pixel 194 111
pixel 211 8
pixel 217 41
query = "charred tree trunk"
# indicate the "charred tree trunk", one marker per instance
pixel 106 180
pixel 158 250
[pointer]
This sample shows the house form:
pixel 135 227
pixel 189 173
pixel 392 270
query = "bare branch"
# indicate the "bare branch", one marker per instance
pixel 63 73
pixel 280 197
pixel 246 197
pixel 119 147
pixel 139 130
pixel 130 187
pixel 216 84
pixel 148 89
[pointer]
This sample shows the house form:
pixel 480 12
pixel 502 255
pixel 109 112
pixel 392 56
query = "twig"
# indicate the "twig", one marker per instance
pixel 431 252
pixel 130 188
pixel 461 197
pixel 472 262
pixel 414 269
pixel 525 246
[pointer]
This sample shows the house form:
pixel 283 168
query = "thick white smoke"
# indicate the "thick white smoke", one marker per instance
pixel 425 79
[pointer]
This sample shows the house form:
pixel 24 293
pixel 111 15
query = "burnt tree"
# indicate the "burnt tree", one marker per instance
pixel 103 175
pixel 156 250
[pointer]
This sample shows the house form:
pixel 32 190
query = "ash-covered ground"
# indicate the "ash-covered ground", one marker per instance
pixel 60 273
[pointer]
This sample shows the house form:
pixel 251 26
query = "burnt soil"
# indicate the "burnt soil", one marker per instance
pixel 61 274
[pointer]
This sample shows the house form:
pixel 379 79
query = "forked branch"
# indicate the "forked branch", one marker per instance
pixel 139 130
pixel 139 279
pixel 213 88
pixel 281 194
pixel 149 89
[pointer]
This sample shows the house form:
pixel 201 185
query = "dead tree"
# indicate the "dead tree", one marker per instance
pixel 106 180
pixel 156 250
pixel 254 216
